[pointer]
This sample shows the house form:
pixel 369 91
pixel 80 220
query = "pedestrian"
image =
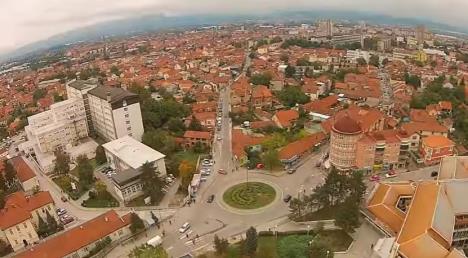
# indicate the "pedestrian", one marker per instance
pixel 186 235
pixel 372 246
pixel 193 241
pixel 196 237
pixel 170 222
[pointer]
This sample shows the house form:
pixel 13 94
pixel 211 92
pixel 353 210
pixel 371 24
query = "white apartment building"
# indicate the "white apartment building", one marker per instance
pixel 79 89
pixel 63 124
pixel 126 155
pixel 115 113
pixel 354 55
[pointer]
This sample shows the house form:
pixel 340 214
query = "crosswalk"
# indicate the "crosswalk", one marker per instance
pixel 198 242
pixel 186 234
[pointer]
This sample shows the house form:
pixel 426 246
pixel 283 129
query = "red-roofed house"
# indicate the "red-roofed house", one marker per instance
pixel 25 174
pixel 80 240
pixel 240 141
pixel 286 118
pixel 207 119
pixel 262 96
pixel 435 147
pixel 19 219
pixel 193 137
pixel 292 152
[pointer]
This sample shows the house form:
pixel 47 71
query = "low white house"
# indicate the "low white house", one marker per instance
pixel 127 155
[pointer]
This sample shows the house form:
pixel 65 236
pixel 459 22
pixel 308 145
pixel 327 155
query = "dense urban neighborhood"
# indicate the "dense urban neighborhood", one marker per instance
pixel 325 139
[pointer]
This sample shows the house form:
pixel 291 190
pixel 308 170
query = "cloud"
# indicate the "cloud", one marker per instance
pixel 30 20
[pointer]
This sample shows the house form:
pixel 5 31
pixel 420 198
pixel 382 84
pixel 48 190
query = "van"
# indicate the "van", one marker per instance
pixel 184 227
pixel 155 241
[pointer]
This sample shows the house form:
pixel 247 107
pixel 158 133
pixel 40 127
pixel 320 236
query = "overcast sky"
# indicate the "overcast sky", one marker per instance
pixel 26 21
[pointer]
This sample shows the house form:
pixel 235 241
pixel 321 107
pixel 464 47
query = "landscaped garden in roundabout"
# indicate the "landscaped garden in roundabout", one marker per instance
pixel 251 195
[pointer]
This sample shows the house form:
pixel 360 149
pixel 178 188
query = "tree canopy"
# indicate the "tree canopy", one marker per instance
pixel 292 95
pixel 62 161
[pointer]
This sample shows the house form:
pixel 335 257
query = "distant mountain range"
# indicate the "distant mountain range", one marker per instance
pixel 137 25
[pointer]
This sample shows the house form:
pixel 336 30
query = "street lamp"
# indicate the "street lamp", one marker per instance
pixel 328 252
pixel 308 229
pixel 276 231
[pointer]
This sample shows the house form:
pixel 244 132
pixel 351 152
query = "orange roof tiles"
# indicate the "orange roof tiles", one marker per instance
pixel 23 171
pixel 286 117
pixel 437 141
pixel 197 134
pixel 301 146
pixel 78 237
pixel 241 140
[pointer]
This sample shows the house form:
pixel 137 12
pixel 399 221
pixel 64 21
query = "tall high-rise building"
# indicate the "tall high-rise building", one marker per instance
pixel 326 27
pixel 115 112
pixel 79 89
pixel 420 33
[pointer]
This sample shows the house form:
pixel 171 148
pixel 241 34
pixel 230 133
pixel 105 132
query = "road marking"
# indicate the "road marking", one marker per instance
pixel 185 234
pixel 169 248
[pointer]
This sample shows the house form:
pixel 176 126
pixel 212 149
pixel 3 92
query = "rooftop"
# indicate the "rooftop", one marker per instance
pixel 116 94
pixel 23 170
pixel 437 141
pixel 346 125
pixel 78 237
pixel 132 152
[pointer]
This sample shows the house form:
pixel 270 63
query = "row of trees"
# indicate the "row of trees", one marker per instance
pixel 49 226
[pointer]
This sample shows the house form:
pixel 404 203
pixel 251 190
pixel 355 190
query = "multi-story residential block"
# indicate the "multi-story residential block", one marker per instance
pixel 435 147
pixel 79 89
pixel 80 240
pixel 127 155
pixel 354 55
pixel 19 219
pixel 423 219
pixel 115 112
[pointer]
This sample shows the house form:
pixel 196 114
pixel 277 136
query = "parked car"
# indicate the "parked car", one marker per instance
pixel 184 227
pixel 287 198
pixel 64 199
pixel 66 220
pixel 207 162
pixel 203 179
pixel 222 171
pixel 61 211
pixel 375 178
pixel 391 174
pixel 210 198
pixel 219 138
pixel 291 171
pixel 434 173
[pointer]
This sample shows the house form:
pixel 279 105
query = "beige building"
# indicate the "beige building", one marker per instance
pixel 80 240
pixel 79 89
pixel 19 219
pixel 345 134
pixel 115 113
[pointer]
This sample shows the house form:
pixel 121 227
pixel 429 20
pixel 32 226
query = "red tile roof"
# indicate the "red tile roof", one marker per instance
pixel 286 117
pixel 23 171
pixel 18 207
pixel 416 127
pixel 78 237
pixel 197 134
pixel 241 140
pixel 301 146
pixel 322 106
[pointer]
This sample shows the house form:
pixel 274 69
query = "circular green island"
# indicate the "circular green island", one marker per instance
pixel 251 195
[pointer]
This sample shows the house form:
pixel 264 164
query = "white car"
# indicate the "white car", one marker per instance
pixel 219 138
pixel 184 227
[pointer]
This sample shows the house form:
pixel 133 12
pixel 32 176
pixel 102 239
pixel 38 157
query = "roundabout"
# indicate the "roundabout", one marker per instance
pixel 249 198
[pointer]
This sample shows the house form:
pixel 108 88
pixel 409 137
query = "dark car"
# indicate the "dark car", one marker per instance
pixel 287 198
pixel 434 173
pixel 210 198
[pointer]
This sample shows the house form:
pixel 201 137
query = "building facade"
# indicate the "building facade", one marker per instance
pixel 345 134
pixel 115 113
pixel 79 89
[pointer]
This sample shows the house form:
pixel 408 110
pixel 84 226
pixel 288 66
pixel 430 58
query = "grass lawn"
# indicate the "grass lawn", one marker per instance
pixel 64 182
pixel 139 201
pixel 190 156
pixel 250 195
pixel 75 170
pixel 338 240
pixel 322 214
pixel 100 201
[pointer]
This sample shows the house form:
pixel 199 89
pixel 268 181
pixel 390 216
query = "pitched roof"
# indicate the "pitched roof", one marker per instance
pixel 416 127
pixel 285 117
pixel 197 134
pixel 241 140
pixel 78 237
pixel 18 207
pixel 322 106
pixel 261 91
pixel 301 146
pixel 437 141
pixel 23 170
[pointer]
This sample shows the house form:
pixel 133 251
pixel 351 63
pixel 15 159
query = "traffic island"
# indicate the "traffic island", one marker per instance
pixel 249 196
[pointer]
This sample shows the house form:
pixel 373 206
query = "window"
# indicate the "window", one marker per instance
pixel 18 228
pixel 11 231
pixel 24 225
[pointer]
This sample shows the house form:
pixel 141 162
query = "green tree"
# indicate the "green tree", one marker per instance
pixel 39 94
pixel 152 182
pixel 271 159
pixel 144 94
pixel 62 161
pixel 195 125
pixel 347 216
pixel 250 243
pixel 51 223
pixel 186 170
pixel 10 173
pixel 100 155
pixel 160 140
pixel 176 126
pixel 289 71
pixel 148 251
pixel 85 171
pixel 136 224
pixel 374 60
pixel 3 184
pixel 2 199
pixel 319 249
pixel 261 79
pixel 284 57
pixel 361 61
pixel 294 246
pixel 42 227
pixel 115 70
pixel 221 245
pixel 5 248
pixel 292 95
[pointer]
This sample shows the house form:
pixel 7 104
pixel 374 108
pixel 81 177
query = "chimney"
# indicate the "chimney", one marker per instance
pixel 81 227
pixel 108 96
pixel 106 219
